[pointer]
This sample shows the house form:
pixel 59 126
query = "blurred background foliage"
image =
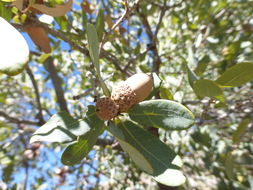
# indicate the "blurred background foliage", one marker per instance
pixel 162 36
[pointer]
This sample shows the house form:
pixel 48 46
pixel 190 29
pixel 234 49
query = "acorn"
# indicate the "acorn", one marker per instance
pixel 135 89
pixel 132 91
pixel 106 108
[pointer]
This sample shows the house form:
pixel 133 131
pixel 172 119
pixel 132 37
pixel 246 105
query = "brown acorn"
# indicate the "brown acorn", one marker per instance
pixel 106 108
pixel 135 89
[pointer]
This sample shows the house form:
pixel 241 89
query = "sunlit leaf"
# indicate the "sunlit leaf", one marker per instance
pixel 43 57
pixel 13 48
pixel 93 43
pixel 61 127
pixel 237 75
pixel 5 13
pixel 149 153
pixel 164 114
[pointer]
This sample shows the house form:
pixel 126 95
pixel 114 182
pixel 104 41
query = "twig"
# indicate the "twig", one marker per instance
pixel 126 13
pixel 163 11
pixel 17 121
pixel 36 89
pixel 57 83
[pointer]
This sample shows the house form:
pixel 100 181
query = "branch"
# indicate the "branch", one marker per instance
pixel 57 83
pixel 82 49
pixel 17 121
pixel 126 13
pixel 36 89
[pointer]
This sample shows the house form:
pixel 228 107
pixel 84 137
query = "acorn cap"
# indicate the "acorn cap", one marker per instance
pixel 123 96
pixel 106 108
pixel 133 90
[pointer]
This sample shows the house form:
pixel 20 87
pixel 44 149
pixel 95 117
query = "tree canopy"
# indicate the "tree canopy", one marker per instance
pixel 194 129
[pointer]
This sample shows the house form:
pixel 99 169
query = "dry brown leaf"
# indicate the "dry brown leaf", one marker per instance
pixel 86 7
pixel 39 37
pixel 58 10
pixel 18 4
pixel 108 20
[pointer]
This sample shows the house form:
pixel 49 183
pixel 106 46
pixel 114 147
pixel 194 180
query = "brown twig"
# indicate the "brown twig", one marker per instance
pixel 57 83
pixel 82 49
pixel 36 90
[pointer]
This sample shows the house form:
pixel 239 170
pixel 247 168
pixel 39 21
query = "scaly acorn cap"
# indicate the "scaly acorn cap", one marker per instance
pixel 123 96
pixel 135 89
pixel 106 108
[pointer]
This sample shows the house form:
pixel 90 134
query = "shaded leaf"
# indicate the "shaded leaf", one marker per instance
pixel 164 114
pixel 207 88
pixel 241 130
pixel 165 93
pixel 7 172
pixel 61 127
pixel 58 10
pixel 229 166
pixel 149 153
pixel 202 65
pixel 14 49
pixel 75 152
pixel 192 77
pixel 5 131
pixel 100 24
pixel 236 75
pixel 250 179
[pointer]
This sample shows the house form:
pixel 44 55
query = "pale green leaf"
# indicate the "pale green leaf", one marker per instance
pixel 164 114
pixel 61 127
pixel 236 75
pixel 93 44
pixel 100 24
pixel 149 153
